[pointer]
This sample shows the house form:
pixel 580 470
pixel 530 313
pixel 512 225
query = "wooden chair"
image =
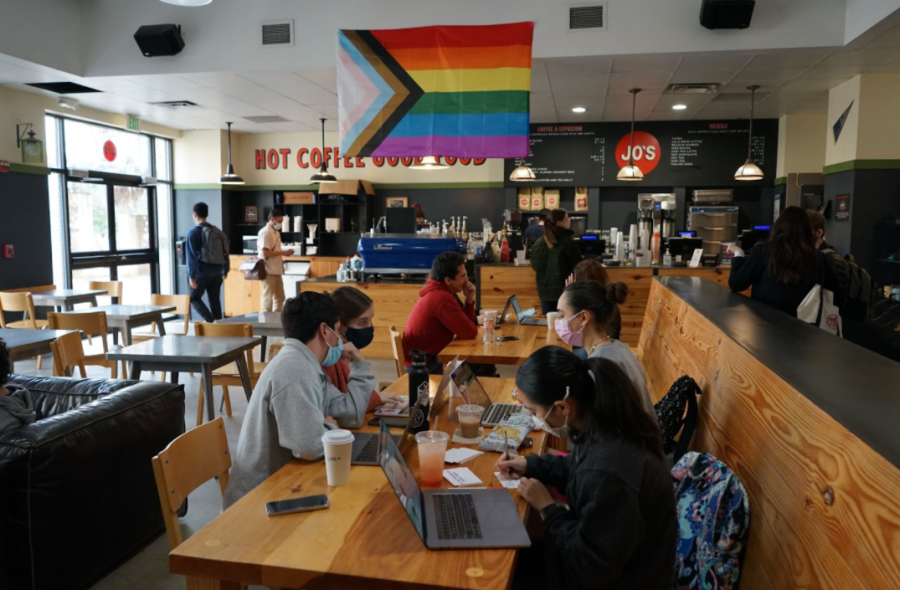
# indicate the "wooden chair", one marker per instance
pixel 39 289
pixel 112 288
pixel 89 324
pixel 182 305
pixel 397 348
pixel 228 375
pixel 21 302
pixel 68 354
pixel 192 459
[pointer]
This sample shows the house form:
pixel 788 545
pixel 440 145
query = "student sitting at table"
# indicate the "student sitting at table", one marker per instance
pixel 294 403
pixel 357 311
pixel 16 407
pixel 438 316
pixel 619 527
pixel 586 309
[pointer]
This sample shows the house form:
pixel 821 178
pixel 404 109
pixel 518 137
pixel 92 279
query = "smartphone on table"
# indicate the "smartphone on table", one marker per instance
pixel 305 504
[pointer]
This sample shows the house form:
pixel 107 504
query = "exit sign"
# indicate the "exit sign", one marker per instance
pixel 134 123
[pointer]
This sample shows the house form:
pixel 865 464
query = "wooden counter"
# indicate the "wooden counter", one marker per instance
pixel 806 420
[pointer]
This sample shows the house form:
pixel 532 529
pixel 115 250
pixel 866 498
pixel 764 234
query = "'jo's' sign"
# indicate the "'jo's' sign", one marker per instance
pixel 646 152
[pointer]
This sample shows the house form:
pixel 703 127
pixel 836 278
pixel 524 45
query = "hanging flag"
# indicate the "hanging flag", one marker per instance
pixel 435 91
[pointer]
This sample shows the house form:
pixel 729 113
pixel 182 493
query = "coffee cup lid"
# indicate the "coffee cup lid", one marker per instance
pixel 470 409
pixel 338 436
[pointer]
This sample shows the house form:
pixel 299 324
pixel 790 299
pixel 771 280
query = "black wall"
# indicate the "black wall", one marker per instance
pixel 25 223
pixel 441 204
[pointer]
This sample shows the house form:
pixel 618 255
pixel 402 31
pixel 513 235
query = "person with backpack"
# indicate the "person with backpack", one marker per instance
pixel 206 254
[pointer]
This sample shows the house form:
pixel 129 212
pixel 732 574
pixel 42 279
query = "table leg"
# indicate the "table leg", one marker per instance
pixel 126 333
pixel 262 351
pixel 173 377
pixel 68 306
pixel 197 583
pixel 244 371
pixel 161 326
pixel 93 302
pixel 208 392
pixel 135 371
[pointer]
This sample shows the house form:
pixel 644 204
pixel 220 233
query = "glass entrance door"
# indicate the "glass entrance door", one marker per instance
pixel 112 237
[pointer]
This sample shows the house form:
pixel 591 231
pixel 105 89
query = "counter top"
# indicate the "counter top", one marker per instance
pixel 853 385
pixel 419 281
pixel 658 266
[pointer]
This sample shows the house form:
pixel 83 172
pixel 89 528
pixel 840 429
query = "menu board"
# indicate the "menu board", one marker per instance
pixel 669 153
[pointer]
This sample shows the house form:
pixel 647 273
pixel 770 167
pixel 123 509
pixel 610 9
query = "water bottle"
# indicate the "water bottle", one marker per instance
pixel 418 385
pixel 488 325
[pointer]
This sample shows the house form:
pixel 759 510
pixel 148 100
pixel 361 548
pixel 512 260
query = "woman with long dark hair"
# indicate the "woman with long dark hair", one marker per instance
pixel 619 528
pixel 553 258
pixel 591 269
pixel 784 268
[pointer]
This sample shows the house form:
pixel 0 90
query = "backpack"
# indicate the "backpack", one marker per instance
pixel 713 516
pixel 671 417
pixel 214 245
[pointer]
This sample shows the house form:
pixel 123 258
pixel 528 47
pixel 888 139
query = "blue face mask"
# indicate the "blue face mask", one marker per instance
pixel 334 352
pixel 361 337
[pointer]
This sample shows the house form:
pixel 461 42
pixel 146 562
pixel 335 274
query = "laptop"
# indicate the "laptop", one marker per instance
pixel 365 445
pixel 452 519
pixel 523 319
pixel 472 390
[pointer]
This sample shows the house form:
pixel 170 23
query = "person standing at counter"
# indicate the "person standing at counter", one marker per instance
pixel 553 258
pixel 533 232
pixel 269 247
pixel 817 220
pixel 205 277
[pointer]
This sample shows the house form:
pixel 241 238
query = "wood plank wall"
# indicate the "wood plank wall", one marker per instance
pixel 823 504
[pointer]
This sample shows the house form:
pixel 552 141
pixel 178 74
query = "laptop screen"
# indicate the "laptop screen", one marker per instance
pixel 402 479
pixel 470 387
pixel 516 307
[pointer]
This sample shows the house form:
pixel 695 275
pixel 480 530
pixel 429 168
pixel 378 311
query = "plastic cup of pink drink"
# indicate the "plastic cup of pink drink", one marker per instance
pixel 432 446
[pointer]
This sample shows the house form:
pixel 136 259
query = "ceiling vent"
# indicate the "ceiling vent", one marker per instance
pixel 267 119
pixel 587 17
pixel 692 89
pixel 278 32
pixel 63 87
pixel 174 104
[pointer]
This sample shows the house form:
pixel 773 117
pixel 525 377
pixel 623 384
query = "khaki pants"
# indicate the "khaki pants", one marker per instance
pixel 273 293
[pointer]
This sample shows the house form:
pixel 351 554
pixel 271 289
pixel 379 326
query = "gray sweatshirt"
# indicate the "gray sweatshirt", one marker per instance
pixel 619 353
pixel 286 415
pixel 16 408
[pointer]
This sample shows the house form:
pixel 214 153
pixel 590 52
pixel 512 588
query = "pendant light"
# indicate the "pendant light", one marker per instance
pixel 429 163
pixel 322 176
pixel 522 173
pixel 749 171
pixel 230 177
pixel 188 2
pixel 630 172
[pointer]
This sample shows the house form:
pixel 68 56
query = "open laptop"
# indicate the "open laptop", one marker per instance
pixel 365 445
pixel 521 318
pixel 452 519
pixel 472 390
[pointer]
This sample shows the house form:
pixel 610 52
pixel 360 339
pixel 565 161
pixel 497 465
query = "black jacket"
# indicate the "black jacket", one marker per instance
pixel 552 266
pixel 620 528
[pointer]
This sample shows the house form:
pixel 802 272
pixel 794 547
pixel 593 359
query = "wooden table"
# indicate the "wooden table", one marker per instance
pixel 365 540
pixel 195 354
pixel 65 298
pixel 25 343
pixel 264 323
pixel 127 317
pixel 514 352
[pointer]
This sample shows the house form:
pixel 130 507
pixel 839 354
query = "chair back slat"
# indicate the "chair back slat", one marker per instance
pixel 397 349
pixel 68 354
pixel 181 303
pixel 17 302
pixel 89 323
pixel 227 331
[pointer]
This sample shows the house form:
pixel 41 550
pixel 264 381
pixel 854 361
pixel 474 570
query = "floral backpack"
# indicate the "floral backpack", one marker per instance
pixel 713 522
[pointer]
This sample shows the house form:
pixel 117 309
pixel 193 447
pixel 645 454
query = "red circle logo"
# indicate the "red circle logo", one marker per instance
pixel 646 151
pixel 109 150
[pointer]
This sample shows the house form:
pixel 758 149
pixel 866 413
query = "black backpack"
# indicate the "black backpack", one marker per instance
pixel 671 416
pixel 214 245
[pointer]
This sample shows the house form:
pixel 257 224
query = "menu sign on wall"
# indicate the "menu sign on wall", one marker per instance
pixel 676 153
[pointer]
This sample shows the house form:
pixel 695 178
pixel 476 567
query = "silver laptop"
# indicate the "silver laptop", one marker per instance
pixel 452 519
pixel 471 388
pixel 365 445
pixel 521 317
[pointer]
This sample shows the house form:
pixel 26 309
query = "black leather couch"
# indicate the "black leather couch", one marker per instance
pixel 77 493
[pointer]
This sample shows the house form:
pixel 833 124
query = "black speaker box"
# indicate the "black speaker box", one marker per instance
pixel 726 14
pixel 159 40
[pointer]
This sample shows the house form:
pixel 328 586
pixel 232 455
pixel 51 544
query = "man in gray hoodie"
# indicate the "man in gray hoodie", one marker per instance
pixel 15 402
pixel 294 402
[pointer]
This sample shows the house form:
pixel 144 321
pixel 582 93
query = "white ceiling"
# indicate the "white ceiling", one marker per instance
pixel 791 81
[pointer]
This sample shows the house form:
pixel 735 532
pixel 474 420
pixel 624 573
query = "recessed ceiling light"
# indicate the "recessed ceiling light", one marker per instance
pixel 188 2
pixel 578 109
pixel 679 107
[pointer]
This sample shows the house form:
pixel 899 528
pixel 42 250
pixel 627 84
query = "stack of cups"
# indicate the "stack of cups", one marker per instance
pixel 338 453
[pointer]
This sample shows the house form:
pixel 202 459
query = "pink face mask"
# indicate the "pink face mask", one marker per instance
pixel 567 335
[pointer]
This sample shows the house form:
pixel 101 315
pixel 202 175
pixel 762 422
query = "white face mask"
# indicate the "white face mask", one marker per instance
pixel 561 432
pixel 277 226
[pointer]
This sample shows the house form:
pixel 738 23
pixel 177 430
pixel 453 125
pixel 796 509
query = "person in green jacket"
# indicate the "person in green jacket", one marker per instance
pixel 553 258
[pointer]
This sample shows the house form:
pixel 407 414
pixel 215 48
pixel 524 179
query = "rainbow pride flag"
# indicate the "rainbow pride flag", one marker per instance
pixel 435 91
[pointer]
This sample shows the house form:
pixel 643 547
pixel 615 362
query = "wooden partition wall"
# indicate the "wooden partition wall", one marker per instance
pixel 779 408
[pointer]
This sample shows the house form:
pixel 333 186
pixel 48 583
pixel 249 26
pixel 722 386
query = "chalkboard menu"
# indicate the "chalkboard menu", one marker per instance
pixel 669 153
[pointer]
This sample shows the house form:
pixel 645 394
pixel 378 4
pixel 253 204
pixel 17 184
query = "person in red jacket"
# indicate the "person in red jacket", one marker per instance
pixel 438 316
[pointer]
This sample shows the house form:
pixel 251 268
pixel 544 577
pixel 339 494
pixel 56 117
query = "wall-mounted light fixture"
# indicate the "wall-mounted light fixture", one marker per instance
pixel 32 149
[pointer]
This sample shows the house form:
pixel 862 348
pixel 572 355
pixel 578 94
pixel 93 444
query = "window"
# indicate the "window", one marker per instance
pixel 96 147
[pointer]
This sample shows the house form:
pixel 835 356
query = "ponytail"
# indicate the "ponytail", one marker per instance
pixel 550 224
pixel 601 300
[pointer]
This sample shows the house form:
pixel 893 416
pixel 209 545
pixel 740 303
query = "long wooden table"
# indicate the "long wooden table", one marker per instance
pixel 513 352
pixel 365 540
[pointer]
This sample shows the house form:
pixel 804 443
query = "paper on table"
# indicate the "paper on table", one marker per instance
pixel 461 455
pixel 507 482
pixel 462 476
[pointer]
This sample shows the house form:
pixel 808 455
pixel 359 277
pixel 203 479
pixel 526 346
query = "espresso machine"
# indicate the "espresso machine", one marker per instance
pixel 656 212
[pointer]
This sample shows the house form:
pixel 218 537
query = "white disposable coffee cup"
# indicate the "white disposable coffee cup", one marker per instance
pixel 338 446
pixel 551 323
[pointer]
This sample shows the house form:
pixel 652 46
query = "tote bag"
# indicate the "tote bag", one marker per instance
pixel 818 307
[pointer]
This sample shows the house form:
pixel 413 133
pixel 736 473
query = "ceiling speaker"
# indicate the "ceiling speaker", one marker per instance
pixel 159 40
pixel 726 14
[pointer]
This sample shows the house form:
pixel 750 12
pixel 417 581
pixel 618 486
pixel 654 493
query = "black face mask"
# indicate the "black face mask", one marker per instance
pixel 360 337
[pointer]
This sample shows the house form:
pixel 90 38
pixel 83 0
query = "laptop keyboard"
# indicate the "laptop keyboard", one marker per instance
pixel 369 453
pixel 499 412
pixel 456 517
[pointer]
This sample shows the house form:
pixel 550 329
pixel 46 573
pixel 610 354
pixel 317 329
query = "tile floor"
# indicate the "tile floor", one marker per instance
pixel 147 570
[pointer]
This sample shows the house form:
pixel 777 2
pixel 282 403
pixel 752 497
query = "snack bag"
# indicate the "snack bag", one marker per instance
pixel 516 428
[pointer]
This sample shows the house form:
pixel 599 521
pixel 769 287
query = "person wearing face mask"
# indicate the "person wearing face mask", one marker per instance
pixel 294 403
pixel 618 529
pixel 357 312
pixel 269 247
pixel 587 310
pixel 554 257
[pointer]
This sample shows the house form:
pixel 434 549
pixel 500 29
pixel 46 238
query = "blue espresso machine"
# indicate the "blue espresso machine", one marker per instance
pixel 404 253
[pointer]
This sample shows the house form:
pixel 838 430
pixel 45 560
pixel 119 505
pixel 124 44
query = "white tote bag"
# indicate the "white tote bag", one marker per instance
pixel 818 308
